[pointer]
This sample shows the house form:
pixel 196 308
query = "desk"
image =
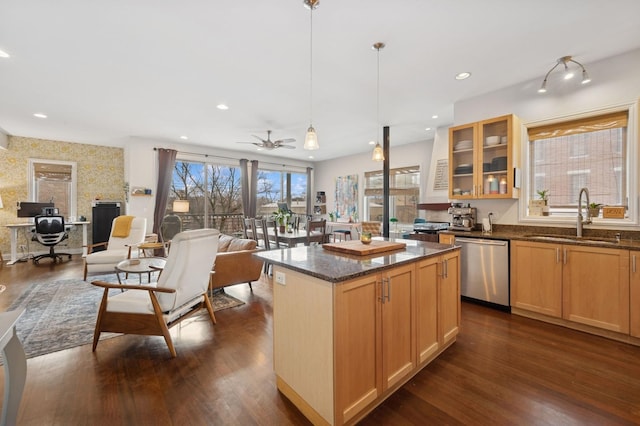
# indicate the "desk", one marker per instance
pixel 15 366
pixel 14 227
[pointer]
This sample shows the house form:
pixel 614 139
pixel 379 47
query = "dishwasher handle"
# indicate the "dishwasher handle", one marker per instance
pixel 481 241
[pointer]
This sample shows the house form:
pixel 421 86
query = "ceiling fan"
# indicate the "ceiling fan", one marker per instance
pixel 269 144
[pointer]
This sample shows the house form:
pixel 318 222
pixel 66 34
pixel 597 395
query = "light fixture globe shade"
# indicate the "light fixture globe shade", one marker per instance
pixel 311 139
pixel 378 154
pixel 181 206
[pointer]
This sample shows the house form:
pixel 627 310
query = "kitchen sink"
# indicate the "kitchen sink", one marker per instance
pixel 572 239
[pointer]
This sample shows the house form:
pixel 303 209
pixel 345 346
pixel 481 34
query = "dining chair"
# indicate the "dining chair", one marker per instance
pixel 249 228
pixel 273 237
pixel 317 231
pixel 264 242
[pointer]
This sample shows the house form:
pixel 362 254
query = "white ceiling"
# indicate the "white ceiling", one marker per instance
pixel 104 71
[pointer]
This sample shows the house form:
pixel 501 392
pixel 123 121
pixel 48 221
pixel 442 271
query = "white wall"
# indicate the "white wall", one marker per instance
pixel 141 168
pixel 326 172
pixel 615 81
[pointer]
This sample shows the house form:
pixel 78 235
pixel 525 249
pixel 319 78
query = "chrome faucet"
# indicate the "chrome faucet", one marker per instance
pixel 581 222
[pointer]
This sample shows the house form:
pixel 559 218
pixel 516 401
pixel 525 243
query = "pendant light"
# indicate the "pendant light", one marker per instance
pixel 311 139
pixel 378 153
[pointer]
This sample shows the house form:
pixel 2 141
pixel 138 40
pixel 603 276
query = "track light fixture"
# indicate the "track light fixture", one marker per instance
pixel 568 74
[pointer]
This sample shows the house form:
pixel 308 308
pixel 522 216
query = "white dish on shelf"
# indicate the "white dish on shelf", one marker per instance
pixel 463 145
pixel 464 165
pixel 492 140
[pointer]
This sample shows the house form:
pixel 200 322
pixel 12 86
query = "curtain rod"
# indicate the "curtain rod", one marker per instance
pixel 232 158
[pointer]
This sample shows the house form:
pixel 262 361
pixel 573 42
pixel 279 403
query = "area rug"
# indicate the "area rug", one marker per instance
pixel 62 314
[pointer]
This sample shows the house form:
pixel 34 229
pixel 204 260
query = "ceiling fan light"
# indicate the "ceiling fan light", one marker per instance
pixel 585 77
pixel 378 154
pixel 311 139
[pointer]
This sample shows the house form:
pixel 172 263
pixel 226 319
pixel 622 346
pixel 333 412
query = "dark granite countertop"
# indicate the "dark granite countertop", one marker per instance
pixel 629 240
pixel 337 267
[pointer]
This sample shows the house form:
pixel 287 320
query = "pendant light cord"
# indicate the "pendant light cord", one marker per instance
pixel 378 100
pixel 311 65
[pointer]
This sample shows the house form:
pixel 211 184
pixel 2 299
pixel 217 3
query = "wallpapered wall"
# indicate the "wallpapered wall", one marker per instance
pixel 100 173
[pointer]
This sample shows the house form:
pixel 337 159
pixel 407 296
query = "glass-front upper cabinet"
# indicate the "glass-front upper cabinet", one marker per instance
pixel 482 157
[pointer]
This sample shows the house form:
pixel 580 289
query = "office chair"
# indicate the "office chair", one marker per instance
pixel 50 231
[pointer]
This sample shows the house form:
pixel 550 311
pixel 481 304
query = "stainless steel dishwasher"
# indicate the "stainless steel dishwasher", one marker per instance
pixel 484 270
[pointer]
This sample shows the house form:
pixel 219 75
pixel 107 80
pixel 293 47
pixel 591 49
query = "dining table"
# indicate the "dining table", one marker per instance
pixel 291 239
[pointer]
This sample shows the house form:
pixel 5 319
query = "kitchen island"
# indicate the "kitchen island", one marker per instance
pixel 350 330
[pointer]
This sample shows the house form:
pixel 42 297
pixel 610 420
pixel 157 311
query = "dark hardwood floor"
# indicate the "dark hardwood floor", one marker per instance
pixel 503 370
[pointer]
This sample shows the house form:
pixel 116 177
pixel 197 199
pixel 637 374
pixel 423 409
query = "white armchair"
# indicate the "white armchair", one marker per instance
pixel 181 291
pixel 117 248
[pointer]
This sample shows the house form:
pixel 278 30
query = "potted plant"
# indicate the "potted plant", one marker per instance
pixel 281 217
pixel 594 209
pixel 544 196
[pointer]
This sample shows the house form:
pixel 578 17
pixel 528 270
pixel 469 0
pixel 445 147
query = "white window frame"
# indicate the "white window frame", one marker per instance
pixel 633 174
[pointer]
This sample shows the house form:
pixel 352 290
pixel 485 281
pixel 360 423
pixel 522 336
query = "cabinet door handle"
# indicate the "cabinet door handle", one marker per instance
pixel 633 263
pixel 565 256
pixel 557 255
pixel 388 289
pixel 445 263
pixel 381 298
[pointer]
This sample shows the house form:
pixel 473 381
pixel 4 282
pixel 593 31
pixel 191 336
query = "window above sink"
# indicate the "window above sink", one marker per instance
pixel 596 150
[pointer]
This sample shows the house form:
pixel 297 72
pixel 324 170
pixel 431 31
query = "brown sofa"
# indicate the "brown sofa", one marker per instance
pixel 235 263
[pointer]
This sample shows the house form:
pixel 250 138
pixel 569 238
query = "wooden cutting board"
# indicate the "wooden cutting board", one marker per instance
pixel 359 249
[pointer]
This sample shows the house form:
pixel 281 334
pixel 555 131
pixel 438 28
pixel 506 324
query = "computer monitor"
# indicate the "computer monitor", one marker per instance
pixel 284 207
pixel 29 209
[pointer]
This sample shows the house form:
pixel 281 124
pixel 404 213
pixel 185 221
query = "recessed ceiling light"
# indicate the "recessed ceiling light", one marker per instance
pixel 184 138
pixel 463 75
pixel 4 54
pixel 434 116
pixel 428 128
pixel 222 107
pixel 40 115
pixel 258 149
pixel 311 157
pixel 372 142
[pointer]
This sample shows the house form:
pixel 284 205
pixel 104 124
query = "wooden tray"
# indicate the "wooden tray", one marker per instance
pixel 359 249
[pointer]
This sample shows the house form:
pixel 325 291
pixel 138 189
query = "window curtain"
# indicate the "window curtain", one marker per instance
pixel 249 186
pixel 166 163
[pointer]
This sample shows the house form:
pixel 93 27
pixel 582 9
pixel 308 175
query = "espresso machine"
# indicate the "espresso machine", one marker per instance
pixel 462 218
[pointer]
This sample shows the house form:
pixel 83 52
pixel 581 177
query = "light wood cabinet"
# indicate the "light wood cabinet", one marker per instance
pixel 586 285
pixel 634 294
pixel 447 239
pixel 342 348
pixel 536 277
pixel 475 162
pixel 438 303
pixel 375 337
pixel 595 287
